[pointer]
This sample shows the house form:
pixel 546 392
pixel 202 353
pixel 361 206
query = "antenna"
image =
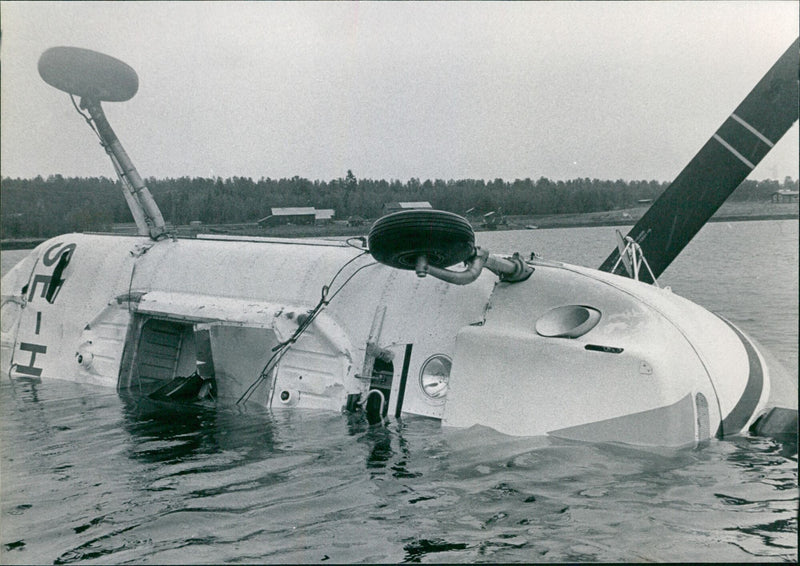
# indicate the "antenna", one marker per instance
pixel 95 77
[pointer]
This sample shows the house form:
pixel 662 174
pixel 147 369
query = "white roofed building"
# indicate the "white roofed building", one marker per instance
pixel 324 215
pixel 390 207
pixel 290 215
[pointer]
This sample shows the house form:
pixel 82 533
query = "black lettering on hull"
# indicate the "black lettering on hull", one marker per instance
pixel 34 349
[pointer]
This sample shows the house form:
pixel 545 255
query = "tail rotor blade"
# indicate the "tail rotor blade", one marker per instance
pixel 719 167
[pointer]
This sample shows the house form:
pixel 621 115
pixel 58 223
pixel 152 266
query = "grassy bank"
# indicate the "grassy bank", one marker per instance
pixel 728 212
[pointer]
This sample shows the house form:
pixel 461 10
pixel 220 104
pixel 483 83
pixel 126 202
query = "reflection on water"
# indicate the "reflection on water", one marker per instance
pixel 92 475
pixel 168 433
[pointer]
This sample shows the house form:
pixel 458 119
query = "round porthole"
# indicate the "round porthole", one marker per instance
pixel 435 376
pixel 569 321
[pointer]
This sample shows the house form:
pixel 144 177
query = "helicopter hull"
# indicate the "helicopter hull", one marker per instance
pixel 570 352
pixel 656 369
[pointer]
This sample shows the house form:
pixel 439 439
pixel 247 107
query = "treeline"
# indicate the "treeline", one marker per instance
pixel 43 207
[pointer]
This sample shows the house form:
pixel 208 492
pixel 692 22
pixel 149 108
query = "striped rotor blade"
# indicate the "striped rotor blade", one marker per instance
pixel 721 165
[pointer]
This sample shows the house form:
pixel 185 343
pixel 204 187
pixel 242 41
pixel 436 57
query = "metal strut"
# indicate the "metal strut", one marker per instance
pixel 146 213
pixel 632 257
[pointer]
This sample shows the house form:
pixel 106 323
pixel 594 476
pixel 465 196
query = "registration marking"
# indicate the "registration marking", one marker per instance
pixel 753 131
pixel 729 147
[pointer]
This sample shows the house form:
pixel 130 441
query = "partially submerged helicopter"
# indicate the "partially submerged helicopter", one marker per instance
pixel 415 319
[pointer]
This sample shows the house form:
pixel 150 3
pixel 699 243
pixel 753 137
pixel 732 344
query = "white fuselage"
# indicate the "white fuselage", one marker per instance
pixel 647 367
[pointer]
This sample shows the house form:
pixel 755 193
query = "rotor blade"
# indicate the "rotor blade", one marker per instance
pixel 719 167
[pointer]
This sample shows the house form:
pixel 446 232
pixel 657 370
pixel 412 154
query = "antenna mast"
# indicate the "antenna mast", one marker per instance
pixel 146 213
pixel 96 77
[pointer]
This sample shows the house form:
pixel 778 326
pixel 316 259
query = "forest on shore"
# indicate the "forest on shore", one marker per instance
pixel 44 207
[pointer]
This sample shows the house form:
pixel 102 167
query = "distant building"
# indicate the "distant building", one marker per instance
pixel 324 215
pixel 784 195
pixel 391 207
pixel 295 215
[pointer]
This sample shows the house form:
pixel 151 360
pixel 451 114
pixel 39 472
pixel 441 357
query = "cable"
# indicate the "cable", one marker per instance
pixel 362 239
pixel 283 347
pixel 323 301
pixel 130 287
pixel 382 399
pixel 280 349
pixel 88 120
pixel 349 278
pixel 351 260
pixel 261 377
pixel 306 323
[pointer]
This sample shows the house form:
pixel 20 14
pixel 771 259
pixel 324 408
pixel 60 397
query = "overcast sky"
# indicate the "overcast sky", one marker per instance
pixel 396 90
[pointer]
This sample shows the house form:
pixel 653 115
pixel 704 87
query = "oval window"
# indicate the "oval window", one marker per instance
pixel 569 321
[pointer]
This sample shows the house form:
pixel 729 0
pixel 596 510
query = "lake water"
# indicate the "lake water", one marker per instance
pixel 87 475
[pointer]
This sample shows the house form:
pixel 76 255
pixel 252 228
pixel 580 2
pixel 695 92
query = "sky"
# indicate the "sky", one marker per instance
pixel 439 90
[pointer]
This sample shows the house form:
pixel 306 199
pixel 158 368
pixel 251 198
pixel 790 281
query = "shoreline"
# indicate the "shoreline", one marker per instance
pixel 542 222
pixel 552 222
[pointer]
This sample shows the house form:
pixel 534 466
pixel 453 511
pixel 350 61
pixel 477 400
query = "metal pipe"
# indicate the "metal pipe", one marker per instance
pixel 155 221
pixel 511 269
pixel 382 400
pixel 475 266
